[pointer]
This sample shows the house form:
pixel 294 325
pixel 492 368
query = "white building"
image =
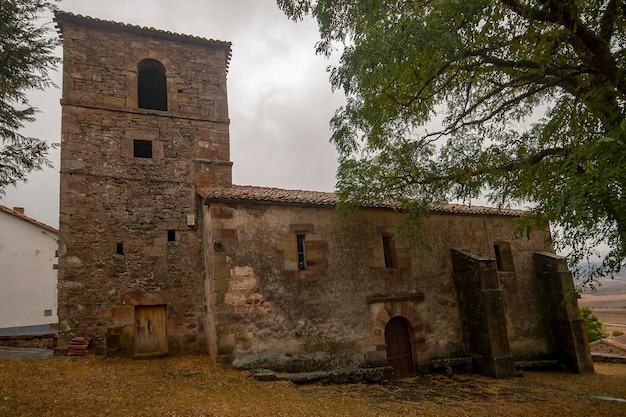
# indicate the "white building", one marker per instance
pixel 28 280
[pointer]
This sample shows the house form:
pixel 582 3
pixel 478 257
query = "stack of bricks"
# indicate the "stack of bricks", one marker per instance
pixel 78 346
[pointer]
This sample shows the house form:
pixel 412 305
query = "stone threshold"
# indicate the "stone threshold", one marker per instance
pixel 339 376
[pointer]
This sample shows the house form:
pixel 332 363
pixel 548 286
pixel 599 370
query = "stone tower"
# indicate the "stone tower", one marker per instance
pixel 145 122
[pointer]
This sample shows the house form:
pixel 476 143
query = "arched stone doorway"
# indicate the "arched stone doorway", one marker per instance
pixel 399 350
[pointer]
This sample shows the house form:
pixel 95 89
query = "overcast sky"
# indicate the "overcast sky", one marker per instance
pixel 280 100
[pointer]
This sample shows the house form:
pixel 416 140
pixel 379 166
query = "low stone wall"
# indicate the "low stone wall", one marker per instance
pixel 607 357
pixel 339 376
pixel 44 341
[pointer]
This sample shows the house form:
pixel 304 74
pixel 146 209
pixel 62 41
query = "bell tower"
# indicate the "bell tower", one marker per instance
pixel 144 122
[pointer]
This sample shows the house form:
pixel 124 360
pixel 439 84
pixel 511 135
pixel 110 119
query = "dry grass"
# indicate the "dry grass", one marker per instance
pixel 609 308
pixel 190 386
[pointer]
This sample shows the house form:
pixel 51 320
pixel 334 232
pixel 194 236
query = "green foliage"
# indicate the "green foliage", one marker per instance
pixel 521 101
pixel 617 333
pixel 26 57
pixel 595 331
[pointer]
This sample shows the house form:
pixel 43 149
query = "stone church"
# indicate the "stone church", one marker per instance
pixel 159 253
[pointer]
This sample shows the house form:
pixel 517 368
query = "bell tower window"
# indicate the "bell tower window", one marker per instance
pixel 151 85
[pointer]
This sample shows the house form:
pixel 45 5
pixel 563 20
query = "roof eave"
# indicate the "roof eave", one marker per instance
pixel 60 17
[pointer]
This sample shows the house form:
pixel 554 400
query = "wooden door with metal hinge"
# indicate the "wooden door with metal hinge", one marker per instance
pixel 150 331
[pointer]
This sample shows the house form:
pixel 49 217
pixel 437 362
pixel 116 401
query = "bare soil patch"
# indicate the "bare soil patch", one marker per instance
pixel 191 386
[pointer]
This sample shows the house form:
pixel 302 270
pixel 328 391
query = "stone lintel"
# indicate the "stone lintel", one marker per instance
pixel 417 297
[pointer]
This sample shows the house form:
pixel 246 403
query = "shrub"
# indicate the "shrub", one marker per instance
pixel 593 324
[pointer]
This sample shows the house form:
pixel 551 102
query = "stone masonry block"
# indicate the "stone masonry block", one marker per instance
pixel 207 153
pixel 290 265
pixel 287 244
pixel 70 124
pixel 306 276
pixel 301 228
pixel 378 252
pixel 227 340
pixel 290 255
pixel 219 258
pixel 221 271
pixel 376 262
pixel 221 284
pixel 317 264
pixel 316 245
pixel 314 254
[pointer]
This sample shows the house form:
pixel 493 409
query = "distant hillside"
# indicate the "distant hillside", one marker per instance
pixel 608 286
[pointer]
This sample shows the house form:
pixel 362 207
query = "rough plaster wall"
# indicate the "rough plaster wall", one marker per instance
pixel 109 197
pixel 271 310
pixel 27 277
pixel 525 324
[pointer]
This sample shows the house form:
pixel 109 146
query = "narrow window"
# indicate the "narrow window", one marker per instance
pixel 142 148
pixel 151 85
pixel 504 257
pixel 389 251
pixel 301 252
pixel 120 248
pixel 171 235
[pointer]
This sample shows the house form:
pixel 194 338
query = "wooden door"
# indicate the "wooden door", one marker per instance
pixel 150 330
pixel 399 352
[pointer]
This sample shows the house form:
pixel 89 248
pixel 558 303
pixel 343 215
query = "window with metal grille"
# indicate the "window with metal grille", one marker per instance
pixel 301 252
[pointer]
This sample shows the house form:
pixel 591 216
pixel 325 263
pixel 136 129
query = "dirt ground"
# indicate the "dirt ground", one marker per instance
pixel 191 386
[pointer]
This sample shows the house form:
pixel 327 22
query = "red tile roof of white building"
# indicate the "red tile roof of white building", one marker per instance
pixel 22 216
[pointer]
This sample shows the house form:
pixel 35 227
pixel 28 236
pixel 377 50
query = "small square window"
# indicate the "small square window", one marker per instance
pixel 171 235
pixel 142 148
pixel 120 249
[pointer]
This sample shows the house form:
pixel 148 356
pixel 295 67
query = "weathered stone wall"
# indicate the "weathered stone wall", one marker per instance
pixel 128 232
pixel 483 314
pixel 567 334
pixel 270 313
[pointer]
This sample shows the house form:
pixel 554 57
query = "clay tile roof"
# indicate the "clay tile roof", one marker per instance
pixel 28 219
pixel 248 193
pixel 613 345
pixel 61 16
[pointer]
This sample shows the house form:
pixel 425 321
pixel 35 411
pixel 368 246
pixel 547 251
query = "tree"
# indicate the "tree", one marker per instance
pixel 529 97
pixel 26 57
pixel 594 327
